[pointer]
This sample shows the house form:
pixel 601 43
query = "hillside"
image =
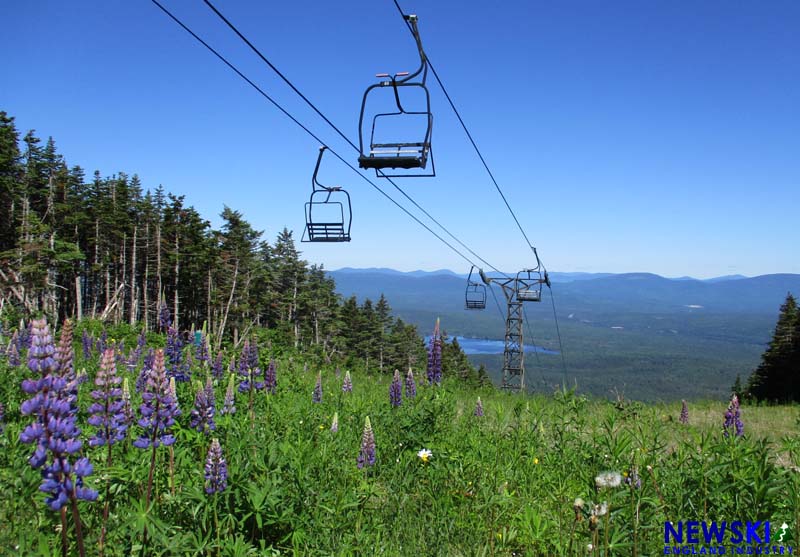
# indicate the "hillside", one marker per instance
pixel 653 337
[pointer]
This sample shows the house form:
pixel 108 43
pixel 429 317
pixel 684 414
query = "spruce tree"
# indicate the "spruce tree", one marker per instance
pixel 777 378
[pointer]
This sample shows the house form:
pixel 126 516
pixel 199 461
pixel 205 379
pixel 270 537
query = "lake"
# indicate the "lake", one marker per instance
pixel 490 346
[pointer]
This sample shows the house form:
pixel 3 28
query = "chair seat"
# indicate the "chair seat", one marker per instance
pixel 390 161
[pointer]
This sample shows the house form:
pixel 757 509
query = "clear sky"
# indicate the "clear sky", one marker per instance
pixel 653 136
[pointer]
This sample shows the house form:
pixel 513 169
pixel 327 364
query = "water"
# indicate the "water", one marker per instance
pixel 472 346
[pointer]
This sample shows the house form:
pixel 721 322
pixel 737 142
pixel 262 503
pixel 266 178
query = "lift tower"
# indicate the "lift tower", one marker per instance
pixel 526 286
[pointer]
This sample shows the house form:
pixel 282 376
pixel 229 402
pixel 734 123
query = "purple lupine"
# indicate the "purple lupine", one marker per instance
pixel 366 456
pixel 136 354
pixel 14 342
pixel 86 343
pixel 65 360
pixel 479 408
pixel 216 470
pixel 202 415
pixel 158 409
pixel 733 418
pixel 411 385
pixel 106 413
pixel 201 351
pixel 174 353
pixel 270 377
pixel 335 423
pixel 25 335
pixel 147 366
pixel 13 354
pixel 102 342
pixel 684 419
pixel 396 390
pixel 244 358
pixel 435 357
pixel 316 396
pixel 253 356
pixel 632 478
pixel 229 404
pixel 164 317
pixel 53 430
pixel 347 384
pixel 216 367
pixel 127 406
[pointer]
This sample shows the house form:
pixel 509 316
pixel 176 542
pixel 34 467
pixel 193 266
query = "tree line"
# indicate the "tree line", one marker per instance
pixel 108 248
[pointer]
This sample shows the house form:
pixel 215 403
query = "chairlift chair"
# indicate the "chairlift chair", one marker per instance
pixel 406 155
pixel 337 215
pixel 475 296
pixel 529 285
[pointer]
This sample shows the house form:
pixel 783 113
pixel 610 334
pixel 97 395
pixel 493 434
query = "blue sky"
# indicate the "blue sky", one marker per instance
pixel 628 136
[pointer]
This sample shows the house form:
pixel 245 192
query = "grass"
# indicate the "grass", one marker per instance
pixel 502 484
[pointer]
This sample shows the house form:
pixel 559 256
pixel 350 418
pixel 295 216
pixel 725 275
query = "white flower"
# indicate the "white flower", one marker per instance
pixel 589 548
pixel 424 455
pixel 578 504
pixel 608 479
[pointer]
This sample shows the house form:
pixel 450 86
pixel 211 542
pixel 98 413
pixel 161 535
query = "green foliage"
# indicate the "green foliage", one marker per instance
pixel 502 484
pixel 777 378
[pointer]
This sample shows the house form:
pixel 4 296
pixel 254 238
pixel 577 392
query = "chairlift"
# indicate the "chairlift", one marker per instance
pixel 327 205
pixel 475 296
pixel 529 284
pixel 406 155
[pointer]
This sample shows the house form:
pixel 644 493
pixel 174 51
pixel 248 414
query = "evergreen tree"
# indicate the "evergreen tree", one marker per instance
pixel 777 377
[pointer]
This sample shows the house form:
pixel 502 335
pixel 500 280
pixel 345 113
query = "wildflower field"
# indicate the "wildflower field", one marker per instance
pixel 125 444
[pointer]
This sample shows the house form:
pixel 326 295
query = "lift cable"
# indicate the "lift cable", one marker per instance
pixel 472 141
pixel 558 332
pixel 491 175
pixel 335 128
pixel 304 128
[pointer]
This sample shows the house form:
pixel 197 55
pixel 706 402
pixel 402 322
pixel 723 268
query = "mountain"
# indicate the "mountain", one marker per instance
pixel 650 336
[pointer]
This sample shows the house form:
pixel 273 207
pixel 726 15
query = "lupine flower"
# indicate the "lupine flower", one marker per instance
pixel 684 419
pixel 316 396
pixel 86 341
pixel 147 366
pixel 158 409
pixel 632 478
pixel 608 479
pixel 53 430
pixel 396 390
pixel 174 353
pixel 252 356
pixel 335 422
pixel 347 384
pixel 106 412
pixel 479 408
pixel 232 365
pixel 733 418
pixel 229 404
pixel 216 470
pixel 127 407
pixel 435 357
pixel 164 317
pixel 216 367
pixel 366 457
pixel 244 358
pixel 201 352
pixel 411 385
pixel 25 335
pixel 102 342
pixel 202 415
pixel 13 354
pixel 65 357
pixel 270 377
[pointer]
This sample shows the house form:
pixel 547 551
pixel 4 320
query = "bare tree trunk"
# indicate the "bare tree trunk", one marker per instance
pixel 78 299
pixel 221 331
pixel 158 270
pixel 134 300
pixel 208 300
pixel 177 271
pixel 146 285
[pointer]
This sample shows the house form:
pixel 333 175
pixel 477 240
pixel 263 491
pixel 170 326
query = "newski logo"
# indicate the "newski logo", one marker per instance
pixel 693 537
pixel 713 532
